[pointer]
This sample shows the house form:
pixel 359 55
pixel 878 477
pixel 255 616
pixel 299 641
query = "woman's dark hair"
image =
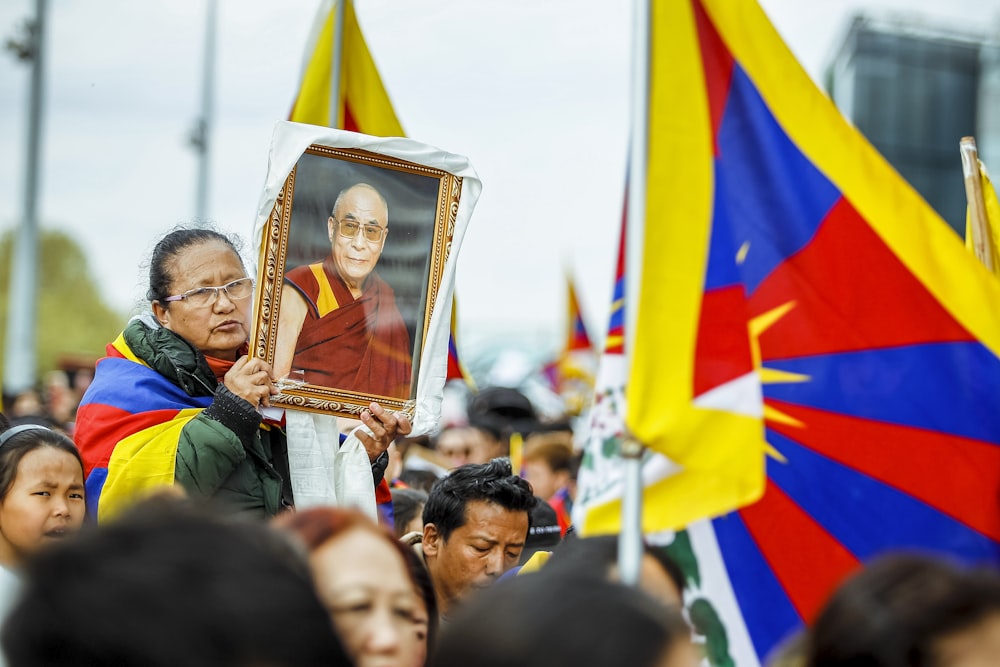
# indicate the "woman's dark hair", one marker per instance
pixel 422 578
pixel 406 504
pixel 170 247
pixel 492 482
pixel 167 584
pixel 559 620
pixel 17 444
pixel 891 613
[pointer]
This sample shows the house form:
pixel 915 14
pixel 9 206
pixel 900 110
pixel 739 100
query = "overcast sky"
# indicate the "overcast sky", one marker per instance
pixel 533 92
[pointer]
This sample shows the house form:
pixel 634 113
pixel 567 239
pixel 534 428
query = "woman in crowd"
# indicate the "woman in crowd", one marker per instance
pixel 385 614
pixel 909 611
pixel 177 400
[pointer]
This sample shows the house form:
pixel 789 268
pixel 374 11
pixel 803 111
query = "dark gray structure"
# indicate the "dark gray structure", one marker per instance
pixel 914 92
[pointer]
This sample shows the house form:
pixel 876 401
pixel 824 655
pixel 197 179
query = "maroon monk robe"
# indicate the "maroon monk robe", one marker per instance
pixel 346 343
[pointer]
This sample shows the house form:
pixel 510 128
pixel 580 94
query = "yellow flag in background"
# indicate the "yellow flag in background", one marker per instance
pixel 992 207
pixel 364 103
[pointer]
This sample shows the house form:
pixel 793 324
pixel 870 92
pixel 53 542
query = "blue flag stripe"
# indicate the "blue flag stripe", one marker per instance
pixel 891 385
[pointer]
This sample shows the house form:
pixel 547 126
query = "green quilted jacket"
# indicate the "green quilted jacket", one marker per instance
pixel 225 455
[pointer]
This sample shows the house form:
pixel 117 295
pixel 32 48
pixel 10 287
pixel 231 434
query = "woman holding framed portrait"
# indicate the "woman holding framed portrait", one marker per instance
pixel 177 401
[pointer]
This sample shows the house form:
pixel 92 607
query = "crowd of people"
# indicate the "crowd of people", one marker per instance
pixel 157 526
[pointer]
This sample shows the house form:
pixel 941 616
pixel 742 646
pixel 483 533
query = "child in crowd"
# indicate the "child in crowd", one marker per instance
pixel 548 465
pixel 41 491
pixel 41 498
pixel 408 510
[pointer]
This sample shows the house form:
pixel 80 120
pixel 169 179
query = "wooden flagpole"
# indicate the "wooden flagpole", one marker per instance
pixel 977 206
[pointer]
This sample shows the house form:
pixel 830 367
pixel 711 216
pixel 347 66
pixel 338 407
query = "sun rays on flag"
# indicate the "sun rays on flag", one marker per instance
pixel 757 326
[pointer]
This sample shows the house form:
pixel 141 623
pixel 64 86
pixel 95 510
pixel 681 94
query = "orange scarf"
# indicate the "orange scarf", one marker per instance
pixel 220 366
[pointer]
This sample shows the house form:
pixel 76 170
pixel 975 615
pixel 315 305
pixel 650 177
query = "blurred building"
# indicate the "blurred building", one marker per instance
pixel 914 90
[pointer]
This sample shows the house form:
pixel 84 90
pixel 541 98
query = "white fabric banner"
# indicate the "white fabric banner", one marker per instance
pixel 290 141
pixel 312 459
pixel 324 472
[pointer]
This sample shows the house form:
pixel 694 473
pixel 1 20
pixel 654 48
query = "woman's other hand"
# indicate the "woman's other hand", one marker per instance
pixel 385 426
pixel 252 380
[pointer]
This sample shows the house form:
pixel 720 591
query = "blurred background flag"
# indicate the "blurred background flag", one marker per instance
pixel 364 105
pixel 874 335
pixel 456 369
pixel 577 339
pixel 571 374
pixel 614 343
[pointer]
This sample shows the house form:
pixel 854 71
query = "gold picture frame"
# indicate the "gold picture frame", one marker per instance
pixel 302 230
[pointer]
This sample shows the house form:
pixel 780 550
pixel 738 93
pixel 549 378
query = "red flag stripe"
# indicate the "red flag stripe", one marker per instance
pixel 958 476
pixel 807 561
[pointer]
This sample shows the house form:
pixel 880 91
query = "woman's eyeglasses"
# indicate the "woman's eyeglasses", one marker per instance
pixel 206 296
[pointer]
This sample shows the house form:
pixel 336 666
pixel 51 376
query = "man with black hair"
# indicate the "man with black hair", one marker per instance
pixel 475 526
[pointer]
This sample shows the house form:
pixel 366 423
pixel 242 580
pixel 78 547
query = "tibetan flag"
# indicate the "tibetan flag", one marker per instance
pixel 577 339
pixel 571 374
pixel 601 478
pixel 874 333
pixel 364 103
pixel 694 390
pixel 128 426
pixel 992 208
pixel 456 369
pixel 614 343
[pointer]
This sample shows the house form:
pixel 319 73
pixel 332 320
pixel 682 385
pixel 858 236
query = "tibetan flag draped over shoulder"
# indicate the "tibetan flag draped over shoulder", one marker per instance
pixel 128 426
pixel 364 103
pixel 875 334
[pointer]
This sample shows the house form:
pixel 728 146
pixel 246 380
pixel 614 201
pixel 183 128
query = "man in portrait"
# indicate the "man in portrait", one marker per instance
pixel 348 332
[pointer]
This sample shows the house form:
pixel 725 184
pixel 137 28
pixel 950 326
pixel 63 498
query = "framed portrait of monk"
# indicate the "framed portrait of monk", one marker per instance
pixel 352 258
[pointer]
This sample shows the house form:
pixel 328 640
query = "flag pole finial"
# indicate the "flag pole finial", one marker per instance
pixel 978 225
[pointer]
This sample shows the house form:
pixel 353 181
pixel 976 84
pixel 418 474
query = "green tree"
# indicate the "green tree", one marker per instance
pixel 73 319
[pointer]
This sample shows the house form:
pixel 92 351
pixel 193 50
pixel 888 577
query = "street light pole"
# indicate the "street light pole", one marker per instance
pixel 201 137
pixel 21 353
